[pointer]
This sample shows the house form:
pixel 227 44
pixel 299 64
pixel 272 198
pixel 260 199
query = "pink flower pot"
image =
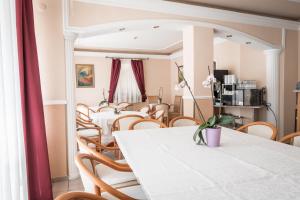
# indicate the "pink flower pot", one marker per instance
pixel 213 137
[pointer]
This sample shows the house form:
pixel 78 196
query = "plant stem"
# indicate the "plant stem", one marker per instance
pixel 189 88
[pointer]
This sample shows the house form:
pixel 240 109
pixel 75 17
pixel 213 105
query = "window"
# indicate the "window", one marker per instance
pixel 127 88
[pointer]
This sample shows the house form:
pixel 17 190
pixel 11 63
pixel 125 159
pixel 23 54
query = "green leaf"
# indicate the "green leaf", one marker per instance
pixel 225 119
pixel 199 132
pixel 212 121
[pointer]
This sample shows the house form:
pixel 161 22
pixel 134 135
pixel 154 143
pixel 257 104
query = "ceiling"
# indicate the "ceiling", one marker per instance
pixel 146 40
pixel 165 39
pixel 285 9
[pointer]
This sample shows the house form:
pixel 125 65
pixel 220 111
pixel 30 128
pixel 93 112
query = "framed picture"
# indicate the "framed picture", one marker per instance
pixel 85 76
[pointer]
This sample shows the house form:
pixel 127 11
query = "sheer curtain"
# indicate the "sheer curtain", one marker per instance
pixel 13 181
pixel 127 88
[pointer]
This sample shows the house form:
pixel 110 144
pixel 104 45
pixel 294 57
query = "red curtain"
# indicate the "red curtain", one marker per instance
pixel 138 70
pixel 38 170
pixel 114 77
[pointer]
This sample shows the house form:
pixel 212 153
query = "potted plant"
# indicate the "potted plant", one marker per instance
pixel 213 132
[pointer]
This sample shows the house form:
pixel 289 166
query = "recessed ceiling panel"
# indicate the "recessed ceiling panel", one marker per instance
pixel 148 40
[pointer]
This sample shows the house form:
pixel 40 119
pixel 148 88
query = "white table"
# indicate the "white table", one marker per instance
pixel 106 119
pixel 169 165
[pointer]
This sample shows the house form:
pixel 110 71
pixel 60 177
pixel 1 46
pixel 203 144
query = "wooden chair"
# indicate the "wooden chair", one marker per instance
pixel 83 108
pixel 184 121
pixel 123 105
pixel 175 109
pixel 83 117
pixel 123 122
pixel 106 109
pixel 165 107
pixel 261 129
pixel 78 196
pixel 293 139
pixel 110 176
pixel 86 164
pixel 146 124
pixel 144 109
pixel 89 129
pixel 152 99
pixel 158 115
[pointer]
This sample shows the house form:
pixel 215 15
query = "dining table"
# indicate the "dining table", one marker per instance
pixel 105 120
pixel 170 166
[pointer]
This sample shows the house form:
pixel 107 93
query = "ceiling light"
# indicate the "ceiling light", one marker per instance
pixel 135 37
pixel 156 26
pixel 248 42
pixel 122 29
pixel 229 36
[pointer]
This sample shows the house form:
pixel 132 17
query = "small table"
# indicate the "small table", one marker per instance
pixel 169 165
pixel 106 119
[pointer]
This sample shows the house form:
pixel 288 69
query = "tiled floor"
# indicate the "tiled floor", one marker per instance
pixel 65 186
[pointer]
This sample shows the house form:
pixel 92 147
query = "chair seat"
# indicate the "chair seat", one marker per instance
pixel 115 178
pixel 88 132
pixel 135 192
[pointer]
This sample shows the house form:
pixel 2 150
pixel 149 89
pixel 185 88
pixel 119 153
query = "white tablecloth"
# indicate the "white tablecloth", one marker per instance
pixel 169 165
pixel 106 119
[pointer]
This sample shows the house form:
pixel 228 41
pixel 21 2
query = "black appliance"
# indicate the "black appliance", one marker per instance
pixel 252 97
pixel 219 75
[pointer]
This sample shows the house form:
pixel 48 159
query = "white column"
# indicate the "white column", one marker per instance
pixel 272 73
pixel 197 56
pixel 70 92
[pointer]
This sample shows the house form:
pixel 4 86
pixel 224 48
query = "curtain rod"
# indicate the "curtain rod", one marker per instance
pixel 126 58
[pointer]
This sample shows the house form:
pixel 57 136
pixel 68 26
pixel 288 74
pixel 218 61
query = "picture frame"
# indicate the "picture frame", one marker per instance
pixel 85 76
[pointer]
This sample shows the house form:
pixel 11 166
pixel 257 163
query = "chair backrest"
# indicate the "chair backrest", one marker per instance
pixel 177 104
pixel 123 105
pixel 261 129
pixel 78 196
pixel 83 108
pixel 184 121
pixel 145 109
pixel 152 99
pixel 123 122
pixel 293 139
pixel 146 124
pixel 85 171
pixel 83 117
pixel 158 115
pixel 106 109
pixel 163 106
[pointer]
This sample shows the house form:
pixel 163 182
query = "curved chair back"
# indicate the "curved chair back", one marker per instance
pixel 82 116
pixel 83 108
pixel 82 161
pixel 146 124
pixel 145 109
pixel 106 109
pixel 177 104
pixel 78 196
pixel 184 121
pixel 152 99
pixel 261 129
pixel 158 115
pixel 123 105
pixel 293 139
pixel 123 122
pixel 163 106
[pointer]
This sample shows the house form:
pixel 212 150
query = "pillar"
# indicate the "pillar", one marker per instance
pixel 70 94
pixel 197 56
